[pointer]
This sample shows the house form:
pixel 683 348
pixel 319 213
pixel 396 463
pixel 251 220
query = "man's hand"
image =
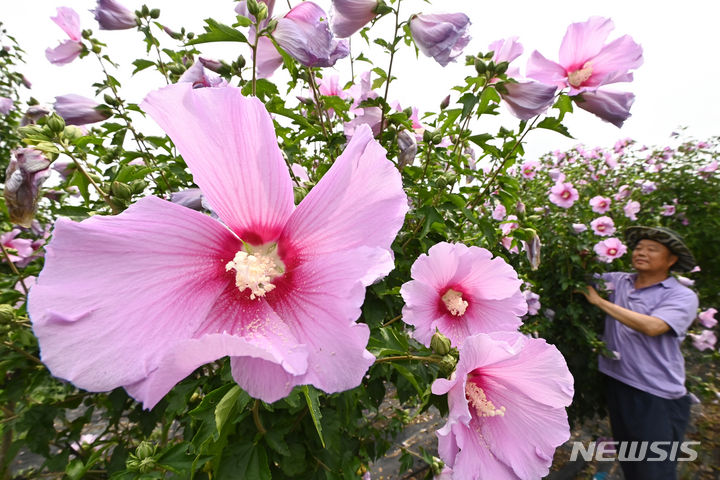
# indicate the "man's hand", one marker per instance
pixel 591 295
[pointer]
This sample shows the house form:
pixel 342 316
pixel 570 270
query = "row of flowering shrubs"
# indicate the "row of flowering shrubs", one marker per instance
pixel 237 297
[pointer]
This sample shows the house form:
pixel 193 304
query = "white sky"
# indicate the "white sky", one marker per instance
pixel 676 86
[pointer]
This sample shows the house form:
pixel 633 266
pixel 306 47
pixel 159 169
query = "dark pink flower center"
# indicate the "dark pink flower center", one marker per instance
pixel 612 251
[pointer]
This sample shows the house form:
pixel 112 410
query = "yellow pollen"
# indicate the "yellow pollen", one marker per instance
pixel 478 400
pixel 565 194
pixel 256 270
pixel 578 77
pixel 454 302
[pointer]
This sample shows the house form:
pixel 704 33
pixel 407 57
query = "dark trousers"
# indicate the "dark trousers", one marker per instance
pixel 638 416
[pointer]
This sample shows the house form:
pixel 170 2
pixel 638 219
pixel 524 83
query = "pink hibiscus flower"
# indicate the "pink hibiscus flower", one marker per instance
pixel 603 226
pixel 529 168
pixel 564 194
pixel 579 227
pixel 142 299
pixel 668 210
pixel 609 249
pixel 461 291
pixel 586 62
pixel 600 204
pixel 67 51
pixel 507 402
pixel 631 209
pixel 704 341
pixel 499 212
pixel 707 318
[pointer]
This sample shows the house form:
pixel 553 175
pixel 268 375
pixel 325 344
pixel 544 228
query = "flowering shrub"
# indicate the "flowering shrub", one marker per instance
pixel 244 273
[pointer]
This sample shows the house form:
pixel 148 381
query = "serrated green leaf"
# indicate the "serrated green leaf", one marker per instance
pixel 313 403
pixel 551 123
pixel 141 64
pixel 218 32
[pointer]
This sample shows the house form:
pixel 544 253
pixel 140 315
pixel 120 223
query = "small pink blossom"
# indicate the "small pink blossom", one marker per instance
pixel 507 402
pixel 460 291
pixel 329 86
pixel 648 186
pixel 199 77
pixel 707 318
pixel 19 249
pixel 603 226
pixel 668 210
pixel 509 225
pixel 499 212
pixel 509 244
pixel 704 341
pixel 6 104
pixel 609 249
pixel 579 227
pixel 631 209
pixel 564 194
pixel 529 169
pixel 600 204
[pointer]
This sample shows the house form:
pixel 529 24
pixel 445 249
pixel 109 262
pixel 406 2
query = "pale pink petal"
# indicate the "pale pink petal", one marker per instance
pixel 268 58
pixel 64 53
pixel 441 265
pixel 474 459
pixel 584 40
pixel 614 60
pixel 613 107
pixel 319 299
pixel 506 49
pixel 166 258
pixel 228 142
pixel 546 71
pixel 359 202
pixel 528 99
pixel 69 21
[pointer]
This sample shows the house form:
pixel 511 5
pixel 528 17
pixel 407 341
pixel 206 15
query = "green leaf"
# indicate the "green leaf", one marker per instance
pixel 234 398
pixel 408 376
pixel 555 125
pixel 468 102
pixel 313 403
pixel 489 95
pixel 244 460
pixel 80 181
pixel 141 64
pixel 218 32
pixel 564 104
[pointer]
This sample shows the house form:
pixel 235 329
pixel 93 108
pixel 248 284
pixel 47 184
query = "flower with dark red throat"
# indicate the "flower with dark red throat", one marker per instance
pixel 142 299
pixel 460 291
pixel 507 400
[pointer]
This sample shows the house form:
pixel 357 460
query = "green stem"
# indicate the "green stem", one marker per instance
pixel 428 358
pixel 106 198
pixel 318 103
pixel 392 320
pixel 254 48
pixel 14 269
pixel 256 418
pixel 389 71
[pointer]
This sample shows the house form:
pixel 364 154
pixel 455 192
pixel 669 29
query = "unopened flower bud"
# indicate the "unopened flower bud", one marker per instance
pixel 480 67
pixel 533 250
pixel 144 450
pixel 7 313
pixel 121 190
pixel 444 104
pixel 502 67
pixel 56 123
pixel 447 365
pixel 155 13
pixel 408 148
pixel 440 344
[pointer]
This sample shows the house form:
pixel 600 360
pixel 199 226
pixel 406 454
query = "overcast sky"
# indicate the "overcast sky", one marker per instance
pixel 676 86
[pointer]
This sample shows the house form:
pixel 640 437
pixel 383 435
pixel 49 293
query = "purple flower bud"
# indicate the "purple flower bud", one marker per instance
pixel 349 16
pixel 305 35
pixel 23 178
pixel 113 16
pixel 199 78
pixel 210 64
pixel 6 104
pixel 532 249
pixel 613 107
pixel 407 144
pixel 441 36
pixel 79 110
pixel 33 114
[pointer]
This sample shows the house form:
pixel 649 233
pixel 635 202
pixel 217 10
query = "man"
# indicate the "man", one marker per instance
pixel 648 315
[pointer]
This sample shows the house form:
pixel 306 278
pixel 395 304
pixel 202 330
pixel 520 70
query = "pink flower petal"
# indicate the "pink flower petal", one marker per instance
pixel 164 257
pixel 64 53
pixel 546 71
pixel 614 60
pixel 69 21
pixel 359 202
pixel 228 142
pixel 584 40
pixel 268 58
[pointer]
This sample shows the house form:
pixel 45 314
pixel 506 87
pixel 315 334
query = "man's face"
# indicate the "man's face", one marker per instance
pixel 651 256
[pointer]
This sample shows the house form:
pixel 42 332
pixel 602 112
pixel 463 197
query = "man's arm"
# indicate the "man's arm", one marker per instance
pixel 642 323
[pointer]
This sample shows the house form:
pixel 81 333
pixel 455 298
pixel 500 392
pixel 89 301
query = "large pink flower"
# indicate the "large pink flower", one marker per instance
pixel 461 291
pixel 563 194
pixel 507 402
pixel 600 204
pixel 603 226
pixel 610 249
pixel 707 318
pixel 67 51
pixel 142 299
pixel 586 62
